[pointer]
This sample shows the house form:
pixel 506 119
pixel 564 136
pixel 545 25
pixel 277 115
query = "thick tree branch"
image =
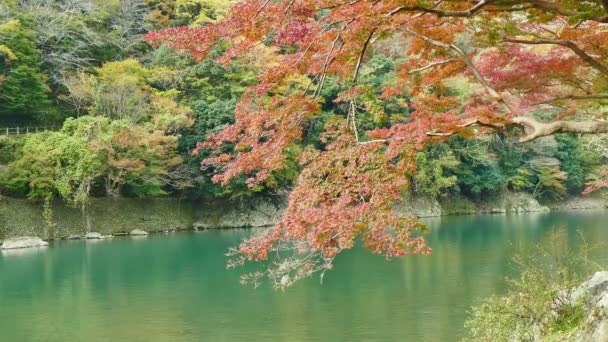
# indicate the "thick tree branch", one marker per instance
pixel 536 129
pixel 568 44
pixel 432 65
pixel 468 123
pixel 442 13
pixel 352 112
pixel 362 55
pixel 575 97
pixel 503 7
pixel 551 7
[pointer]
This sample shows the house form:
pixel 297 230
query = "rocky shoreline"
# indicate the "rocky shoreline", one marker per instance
pixel 36 242
pixel 106 218
pixel 507 203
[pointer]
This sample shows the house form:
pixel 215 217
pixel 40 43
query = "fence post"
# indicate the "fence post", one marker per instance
pixel 17 130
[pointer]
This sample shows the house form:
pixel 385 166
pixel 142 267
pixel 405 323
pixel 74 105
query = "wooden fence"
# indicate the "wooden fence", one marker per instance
pixel 13 131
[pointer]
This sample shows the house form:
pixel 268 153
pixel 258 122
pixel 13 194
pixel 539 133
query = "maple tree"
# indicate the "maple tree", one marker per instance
pixel 521 57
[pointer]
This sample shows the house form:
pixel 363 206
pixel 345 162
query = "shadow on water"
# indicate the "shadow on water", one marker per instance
pixel 175 287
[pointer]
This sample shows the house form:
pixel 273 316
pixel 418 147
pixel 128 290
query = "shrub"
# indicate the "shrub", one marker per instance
pixel 537 304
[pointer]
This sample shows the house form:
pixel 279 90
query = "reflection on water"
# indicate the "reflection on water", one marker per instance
pixel 23 251
pixel 176 288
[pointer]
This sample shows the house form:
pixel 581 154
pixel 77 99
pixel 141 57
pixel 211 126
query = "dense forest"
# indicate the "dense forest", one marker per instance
pixel 126 116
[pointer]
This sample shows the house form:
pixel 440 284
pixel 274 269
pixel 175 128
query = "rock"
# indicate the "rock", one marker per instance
pixel 23 242
pixel 93 236
pixel 255 212
pixel 418 206
pixel 525 203
pixel 597 285
pixel 545 162
pixel 458 205
pixel 595 290
pixel 75 237
pixel 498 210
pixel 584 203
pixel 517 203
pixel 138 232
pixel 600 333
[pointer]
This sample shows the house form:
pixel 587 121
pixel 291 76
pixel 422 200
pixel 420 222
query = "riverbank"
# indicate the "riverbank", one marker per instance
pixel 505 203
pixel 120 216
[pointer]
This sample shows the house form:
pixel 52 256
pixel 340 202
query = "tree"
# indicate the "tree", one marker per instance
pixel 185 12
pixel 517 56
pixel 430 178
pixel 120 91
pixel 23 85
pixel 126 90
pixel 89 153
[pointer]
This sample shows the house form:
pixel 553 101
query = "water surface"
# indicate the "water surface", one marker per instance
pixel 175 287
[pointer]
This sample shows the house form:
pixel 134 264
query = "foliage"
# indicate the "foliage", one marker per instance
pixel 187 12
pixel 573 162
pixel 124 91
pixel 54 163
pixel 119 91
pixel 20 68
pixel 550 183
pixel 212 92
pixel 435 170
pixel 8 148
pixel 521 180
pixel 344 103
pixel 92 152
pixel 77 35
pixel 480 173
pixel 598 178
pixel 71 38
pixel 538 303
pixel 468 68
pixel 512 159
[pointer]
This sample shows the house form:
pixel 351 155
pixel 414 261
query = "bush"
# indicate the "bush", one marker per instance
pixel 573 161
pixel 434 166
pixel 537 304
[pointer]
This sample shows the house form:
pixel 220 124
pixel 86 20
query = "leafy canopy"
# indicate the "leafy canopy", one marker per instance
pixel 514 58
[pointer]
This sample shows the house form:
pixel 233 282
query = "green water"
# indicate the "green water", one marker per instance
pixel 175 287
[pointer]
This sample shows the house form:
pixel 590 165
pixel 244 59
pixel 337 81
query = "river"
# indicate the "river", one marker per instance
pixel 174 287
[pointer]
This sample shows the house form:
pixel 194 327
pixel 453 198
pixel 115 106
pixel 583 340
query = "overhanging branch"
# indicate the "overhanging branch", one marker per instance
pixel 533 128
pixel 443 13
pixel 575 97
pixel 500 6
pixel 536 129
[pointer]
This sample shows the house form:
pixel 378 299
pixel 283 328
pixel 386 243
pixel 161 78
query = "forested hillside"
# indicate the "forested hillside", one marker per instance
pixel 128 115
